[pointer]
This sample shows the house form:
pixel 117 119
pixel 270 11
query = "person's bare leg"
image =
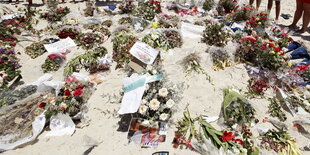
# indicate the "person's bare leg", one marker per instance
pixel 278 9
pixel 269 7
pixel 251 2
pixel 297 15
pixel 258 2
pixel 305 17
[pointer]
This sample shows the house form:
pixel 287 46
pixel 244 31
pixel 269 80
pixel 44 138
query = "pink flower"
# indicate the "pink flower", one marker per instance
pixel 249 38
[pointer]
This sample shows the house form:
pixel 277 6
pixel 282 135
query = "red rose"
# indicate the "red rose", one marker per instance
pixel 13 44
pixel 264 18
pixel 79 87
pixel 1 61
pixel 42 105
pixel 67 92
pixel 263 47
pixel 227 136
pixel 271 45
pixel 239 141
pixel 78 92
pixel 278 49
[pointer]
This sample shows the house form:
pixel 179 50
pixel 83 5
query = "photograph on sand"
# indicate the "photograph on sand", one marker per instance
pixel 157 77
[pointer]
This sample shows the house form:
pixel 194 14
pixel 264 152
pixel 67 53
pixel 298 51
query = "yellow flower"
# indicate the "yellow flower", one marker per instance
pixel 259 23
pixel 272 52
pixel 257 19
pixel 289 64
pixel 155 25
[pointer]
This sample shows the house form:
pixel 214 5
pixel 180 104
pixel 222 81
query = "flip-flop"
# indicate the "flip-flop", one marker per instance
pixel 286 16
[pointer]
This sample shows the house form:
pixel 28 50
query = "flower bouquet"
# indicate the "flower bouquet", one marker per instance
pixel 208 4
pixel 16 122
pixel 10 97
pixel 148 9
pixel 257 87
pixel 100 28
pixel 247 50
pixel 274 109
pixel 122 43
pixel 191 63
pixel 90 40
pixel 71 32
pixel 71 98
pixel 242 14
pixel 271 56
pixel 281 35
pixel 158 100
pixel 89 61
pixel 280 142
pixel 226 6
pixel 55 14
pixel 126 7
pixel 258 22
pixel 214 34
pixel 125 20
pixel 9 69
pixel 166 21
pixel 303 71
pixel 107 23
pixel 220 59
pixel 167 39
pixel 195 133
pixel 36 49
pixel 236 109
pixel 52 63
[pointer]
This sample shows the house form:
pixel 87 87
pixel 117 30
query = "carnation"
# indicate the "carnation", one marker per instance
pixel 143 109
pixel 154 104
pixel 163 92
pixel 163 116
pixel 170 103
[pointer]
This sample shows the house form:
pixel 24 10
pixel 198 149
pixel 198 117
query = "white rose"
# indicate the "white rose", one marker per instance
pixel 163 116
pixel 154 104
pixel 142 109
pixel 63 106
pixel 146 123
pixel 163 92
pixel 170 103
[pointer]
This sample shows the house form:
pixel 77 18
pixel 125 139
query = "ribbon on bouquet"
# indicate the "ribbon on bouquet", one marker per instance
pixel 142 82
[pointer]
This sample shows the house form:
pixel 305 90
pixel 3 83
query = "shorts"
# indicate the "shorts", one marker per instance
pixel 304 1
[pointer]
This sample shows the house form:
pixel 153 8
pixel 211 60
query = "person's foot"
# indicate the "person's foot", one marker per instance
pixel 292 27
pixel 301 31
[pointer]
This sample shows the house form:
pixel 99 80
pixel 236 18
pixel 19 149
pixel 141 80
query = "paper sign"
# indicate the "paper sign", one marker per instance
pixel 60 46
pixel 144 52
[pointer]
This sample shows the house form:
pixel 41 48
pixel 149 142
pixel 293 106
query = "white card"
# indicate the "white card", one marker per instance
pixel 60 46
pixel 144 52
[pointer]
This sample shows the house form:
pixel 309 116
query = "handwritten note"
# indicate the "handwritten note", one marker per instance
pixel 144 52
pixel 60 46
